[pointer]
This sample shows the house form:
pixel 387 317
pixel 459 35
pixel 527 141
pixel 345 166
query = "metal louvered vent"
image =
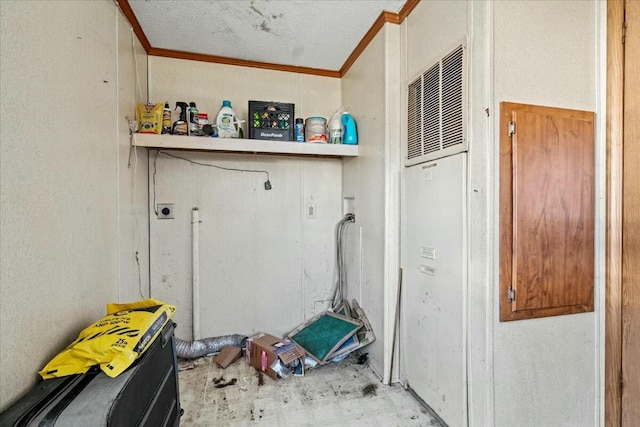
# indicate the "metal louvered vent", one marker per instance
pixel 414 147
pixel 452 99
pixel 431 108
pixel 436 110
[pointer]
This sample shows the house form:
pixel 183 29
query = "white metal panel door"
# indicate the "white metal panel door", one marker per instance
pixel 434 286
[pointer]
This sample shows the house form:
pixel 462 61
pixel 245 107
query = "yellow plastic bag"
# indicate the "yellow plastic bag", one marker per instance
pixel 114 341
pixel 150 118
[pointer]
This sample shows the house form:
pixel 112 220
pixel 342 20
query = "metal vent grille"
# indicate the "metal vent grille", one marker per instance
pixel 414 147
pixel 452 99
pixel 431 107
pixel 436 110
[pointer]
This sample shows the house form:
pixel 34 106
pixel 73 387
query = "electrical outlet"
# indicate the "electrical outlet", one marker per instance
pixel 165 211
pixel 311 211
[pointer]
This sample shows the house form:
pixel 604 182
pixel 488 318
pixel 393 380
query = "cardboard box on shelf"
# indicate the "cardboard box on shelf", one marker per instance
pixel 263 350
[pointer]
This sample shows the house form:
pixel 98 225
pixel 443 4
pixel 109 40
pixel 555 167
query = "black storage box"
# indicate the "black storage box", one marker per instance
pixel 146 394
pixel 271 120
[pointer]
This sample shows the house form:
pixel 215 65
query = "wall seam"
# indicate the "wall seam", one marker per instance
pixel 117 156
pixel 492 219
pixel 302 242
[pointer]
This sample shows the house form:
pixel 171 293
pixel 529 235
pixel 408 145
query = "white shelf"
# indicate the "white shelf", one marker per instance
pixel 177 142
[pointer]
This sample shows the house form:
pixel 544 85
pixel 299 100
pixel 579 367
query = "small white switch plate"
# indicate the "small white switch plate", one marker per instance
pixel 425 269
pixel 165 211
pixel 429 253
pixel 311 210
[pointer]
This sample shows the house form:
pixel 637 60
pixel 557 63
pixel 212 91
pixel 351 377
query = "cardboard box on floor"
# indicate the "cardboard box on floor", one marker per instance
pixel 228 355
pixel 264 349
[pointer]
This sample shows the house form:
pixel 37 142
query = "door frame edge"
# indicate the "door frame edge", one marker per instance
pixel 613 273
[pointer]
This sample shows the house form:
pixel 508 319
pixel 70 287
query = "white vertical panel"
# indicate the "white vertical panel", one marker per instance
pixel 363 93
pixel 393 161
pixel 480 195
pixel 434 29
pixel 434 285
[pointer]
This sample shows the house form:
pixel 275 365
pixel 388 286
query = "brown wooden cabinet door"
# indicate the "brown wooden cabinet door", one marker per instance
pixel 546 211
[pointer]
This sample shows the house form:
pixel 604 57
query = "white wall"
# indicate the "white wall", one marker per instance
pixel 132 165
pixel 60 169
pixel 433 29
pixel 545 53
pixel 363 94
pixel 264 266
pixel 208 84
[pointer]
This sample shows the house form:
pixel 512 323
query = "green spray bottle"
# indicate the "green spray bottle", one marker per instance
pixel 181 126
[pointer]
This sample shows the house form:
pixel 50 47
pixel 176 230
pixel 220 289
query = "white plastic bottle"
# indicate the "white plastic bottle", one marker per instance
pixel 335 129
pixel 227 121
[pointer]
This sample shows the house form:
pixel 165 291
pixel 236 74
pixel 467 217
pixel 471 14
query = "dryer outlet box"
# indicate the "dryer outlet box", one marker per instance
pixel 165 211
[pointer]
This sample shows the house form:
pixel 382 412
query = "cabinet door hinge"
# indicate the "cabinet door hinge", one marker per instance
pixel 512 128
pixel 511 294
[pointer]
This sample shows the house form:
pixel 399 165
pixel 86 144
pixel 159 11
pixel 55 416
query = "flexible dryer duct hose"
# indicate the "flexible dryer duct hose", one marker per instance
pixel 199 348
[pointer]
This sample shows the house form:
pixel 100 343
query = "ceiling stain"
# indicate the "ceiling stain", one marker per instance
pixel 255 9
pixel 248 29
pixel 265 27
pixel 298 52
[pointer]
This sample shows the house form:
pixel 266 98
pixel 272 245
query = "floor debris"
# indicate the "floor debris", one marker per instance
pixel 186 366
pixel 232 381
pixel 370 390
pixel 363 359
pixel 328 396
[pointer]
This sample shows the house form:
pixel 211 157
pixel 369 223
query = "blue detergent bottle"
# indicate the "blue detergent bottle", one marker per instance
pixel 350 133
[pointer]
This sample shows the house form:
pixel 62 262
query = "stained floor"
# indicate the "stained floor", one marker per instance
pixel 340 394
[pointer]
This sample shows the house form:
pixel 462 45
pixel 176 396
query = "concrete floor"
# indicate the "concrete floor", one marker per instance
pixel 342 394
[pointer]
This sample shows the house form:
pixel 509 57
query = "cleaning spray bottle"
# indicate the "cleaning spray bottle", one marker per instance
pixel 350 135
pixel 227 121
pixel 193 119
pixel 180 126
pixel 166 118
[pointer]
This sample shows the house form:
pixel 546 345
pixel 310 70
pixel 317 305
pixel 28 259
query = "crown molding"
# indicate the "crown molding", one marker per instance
pixel 178 54
pixel 125 7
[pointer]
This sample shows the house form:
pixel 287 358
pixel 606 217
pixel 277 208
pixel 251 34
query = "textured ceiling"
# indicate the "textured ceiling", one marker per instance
pixel 311 33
